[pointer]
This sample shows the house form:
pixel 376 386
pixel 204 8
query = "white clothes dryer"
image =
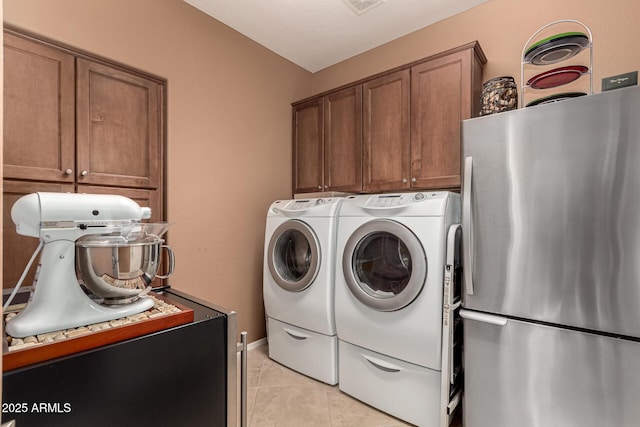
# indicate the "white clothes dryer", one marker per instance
pixel 298 289
pixel 390 261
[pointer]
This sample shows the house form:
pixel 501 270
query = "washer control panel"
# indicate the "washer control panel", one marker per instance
pixel 302 204
pixel 296 207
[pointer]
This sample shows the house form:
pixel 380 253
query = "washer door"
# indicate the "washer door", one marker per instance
pixel 385 265
pixel 294 256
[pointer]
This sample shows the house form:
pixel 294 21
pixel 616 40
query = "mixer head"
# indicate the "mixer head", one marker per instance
pixel 71 215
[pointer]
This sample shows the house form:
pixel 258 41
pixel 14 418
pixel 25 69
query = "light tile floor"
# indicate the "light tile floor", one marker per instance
pixel 280 397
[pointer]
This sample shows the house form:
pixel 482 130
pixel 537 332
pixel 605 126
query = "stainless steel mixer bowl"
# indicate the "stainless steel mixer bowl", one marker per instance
pixel 119 268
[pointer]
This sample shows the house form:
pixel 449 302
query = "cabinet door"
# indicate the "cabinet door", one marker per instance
pixel 39 127
pixel 119 135
pixel 343 140
pixel 308 146
pixel 17 249
pixel 386 133
pixel 440 99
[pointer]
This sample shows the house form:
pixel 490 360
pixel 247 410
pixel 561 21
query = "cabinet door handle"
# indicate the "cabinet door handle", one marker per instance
pixel 414 180
pixel 84 173
pixel 68 171
pixel 404 180
pixel 319 187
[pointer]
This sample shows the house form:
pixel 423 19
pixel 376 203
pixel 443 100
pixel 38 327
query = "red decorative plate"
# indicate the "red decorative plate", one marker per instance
pixel 557 77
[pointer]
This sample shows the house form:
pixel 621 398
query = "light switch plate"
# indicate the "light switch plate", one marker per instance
pixel 621 80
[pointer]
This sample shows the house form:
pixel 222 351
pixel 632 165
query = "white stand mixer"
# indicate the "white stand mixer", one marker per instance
pixel 59 219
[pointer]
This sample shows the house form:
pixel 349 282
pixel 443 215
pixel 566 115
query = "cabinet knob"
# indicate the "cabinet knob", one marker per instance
pixel 68 171
pixel 326 187
pixel 413 180
pixel 84 173
pixel 319 187
pixel 404 180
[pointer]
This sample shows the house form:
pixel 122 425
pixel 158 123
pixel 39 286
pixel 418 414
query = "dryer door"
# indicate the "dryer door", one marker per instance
pixel 294 256
pixel 384 264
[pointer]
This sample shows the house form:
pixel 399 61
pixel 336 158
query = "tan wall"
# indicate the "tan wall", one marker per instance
pixel 502 27
pixel 229 132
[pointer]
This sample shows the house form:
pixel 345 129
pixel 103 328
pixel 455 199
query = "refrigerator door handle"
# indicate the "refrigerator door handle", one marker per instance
pixel 467 226
pixel 483 317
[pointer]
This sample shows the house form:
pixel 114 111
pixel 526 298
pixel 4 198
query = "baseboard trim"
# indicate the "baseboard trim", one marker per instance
pixel 257 344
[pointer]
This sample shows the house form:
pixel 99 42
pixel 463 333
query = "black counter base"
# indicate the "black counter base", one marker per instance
pixel 175 377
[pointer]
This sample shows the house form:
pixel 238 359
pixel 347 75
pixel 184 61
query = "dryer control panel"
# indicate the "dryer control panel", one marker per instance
pixel 401 199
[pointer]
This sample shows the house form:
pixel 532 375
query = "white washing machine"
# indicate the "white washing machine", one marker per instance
pixel 299 257
pixel 390 261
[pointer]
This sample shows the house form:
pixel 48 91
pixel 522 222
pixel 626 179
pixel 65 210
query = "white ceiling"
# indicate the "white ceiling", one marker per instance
pixel 316 34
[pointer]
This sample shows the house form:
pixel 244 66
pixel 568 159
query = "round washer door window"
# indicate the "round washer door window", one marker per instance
pixel 294 256
pixel 385 265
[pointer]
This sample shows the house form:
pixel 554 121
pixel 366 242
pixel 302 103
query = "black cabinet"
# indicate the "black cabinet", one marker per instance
pixel 181 376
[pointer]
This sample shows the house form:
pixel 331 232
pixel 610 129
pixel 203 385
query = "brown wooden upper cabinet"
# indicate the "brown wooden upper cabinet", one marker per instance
pixel 308 158
pixel 386 153
pixel 327 143
pixel 409 127
pixel 343 140
pixel 444 91
pixel 116 140
pixel 39 111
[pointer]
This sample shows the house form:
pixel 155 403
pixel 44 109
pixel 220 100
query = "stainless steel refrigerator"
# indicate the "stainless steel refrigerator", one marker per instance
pixel 551 247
